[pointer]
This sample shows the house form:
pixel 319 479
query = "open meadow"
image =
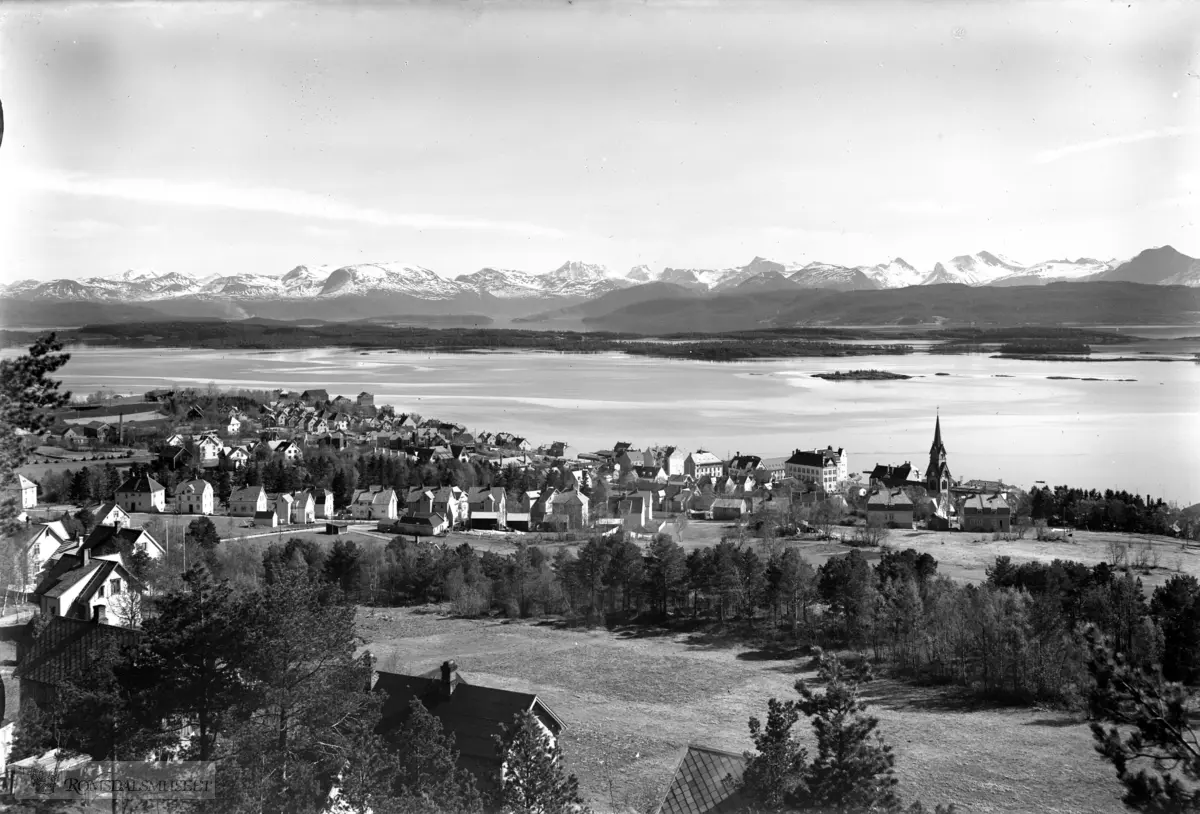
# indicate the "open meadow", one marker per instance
pixel 632 701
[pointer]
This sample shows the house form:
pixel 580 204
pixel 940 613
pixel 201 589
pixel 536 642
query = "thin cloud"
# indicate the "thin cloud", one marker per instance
pixel 920 207
pixel 82 229
pixel 1047 156
pixel 262 199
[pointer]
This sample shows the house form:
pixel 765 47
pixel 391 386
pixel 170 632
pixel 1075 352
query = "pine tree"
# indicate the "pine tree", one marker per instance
pixel 853 769
pixel 775 775
pixel 191 656
pixel 27 396
pixel 1147 720
pixel 426 777
pixel 534 781
pixel 305 703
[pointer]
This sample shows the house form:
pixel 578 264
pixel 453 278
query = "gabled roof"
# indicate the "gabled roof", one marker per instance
pixel 143 485
pixel 471 713
pixel 699 785
pixel 729 503
pixel 892 475
pixel 22 482
pixel 68 572
pixel 111 540
pixel 105 509
pixel 24 538
pixel 66 645
pixel 702 458
pixel 986 503
pixel 249 493
pixel 889 499
pixel 193 487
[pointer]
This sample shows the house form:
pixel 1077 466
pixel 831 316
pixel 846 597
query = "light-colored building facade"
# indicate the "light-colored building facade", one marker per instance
pixel 142 494
pixel 194 497
pixel 825 467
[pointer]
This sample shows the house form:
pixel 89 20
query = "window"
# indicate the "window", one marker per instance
pixel 100 593
pixel 114 587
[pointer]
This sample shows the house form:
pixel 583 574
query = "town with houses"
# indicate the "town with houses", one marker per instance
pixel 286 463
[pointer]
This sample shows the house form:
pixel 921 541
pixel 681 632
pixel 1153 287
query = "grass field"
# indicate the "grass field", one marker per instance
pixel 963 556
pixel 631 704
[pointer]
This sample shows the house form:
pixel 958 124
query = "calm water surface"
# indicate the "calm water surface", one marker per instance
pixel 1001 419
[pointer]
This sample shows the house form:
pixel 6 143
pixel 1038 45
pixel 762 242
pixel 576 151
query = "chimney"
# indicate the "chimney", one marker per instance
pixel 371 661
pixel 85 556
pixel 448 670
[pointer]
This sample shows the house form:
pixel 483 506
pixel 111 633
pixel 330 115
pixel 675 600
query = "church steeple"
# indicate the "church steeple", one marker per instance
pixel 937 474
pixel 938 447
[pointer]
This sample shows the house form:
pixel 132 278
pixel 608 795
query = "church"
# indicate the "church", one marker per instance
pixel 937 475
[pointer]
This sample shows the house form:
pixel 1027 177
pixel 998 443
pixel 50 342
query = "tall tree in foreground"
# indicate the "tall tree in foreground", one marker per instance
pixel 305 703
pixel 27 394
pixel 534 781
pixel 425 778
pixel 1144 730
pixel 853 770
pixel 190 662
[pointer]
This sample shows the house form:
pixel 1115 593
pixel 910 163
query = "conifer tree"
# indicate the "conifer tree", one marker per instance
pixel 425 778
pixel 853 768
pixel 27 395
pixel 1142 717
pixel 534 781
pixel 774 777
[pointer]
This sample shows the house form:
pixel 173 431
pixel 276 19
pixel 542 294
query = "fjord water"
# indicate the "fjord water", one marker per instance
pixel 1001 418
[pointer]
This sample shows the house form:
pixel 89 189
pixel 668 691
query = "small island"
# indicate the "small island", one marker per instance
pixel 859 375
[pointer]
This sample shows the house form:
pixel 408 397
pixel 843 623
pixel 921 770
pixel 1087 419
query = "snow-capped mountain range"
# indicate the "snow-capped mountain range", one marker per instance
pixel 580 281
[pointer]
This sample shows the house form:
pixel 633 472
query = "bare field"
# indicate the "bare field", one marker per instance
pixel 631 703
pixel 965 555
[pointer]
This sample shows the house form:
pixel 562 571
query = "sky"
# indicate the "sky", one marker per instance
pixel 253 137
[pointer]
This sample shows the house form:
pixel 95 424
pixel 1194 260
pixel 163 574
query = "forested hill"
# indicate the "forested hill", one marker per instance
pixel 1098 303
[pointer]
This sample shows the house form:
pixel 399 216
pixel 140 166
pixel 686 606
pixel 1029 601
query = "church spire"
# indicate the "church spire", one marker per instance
pixel 938 446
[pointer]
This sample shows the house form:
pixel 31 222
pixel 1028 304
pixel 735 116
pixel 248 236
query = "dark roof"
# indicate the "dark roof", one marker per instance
pixel 471 713
pixel 66 645
pixel 68 572
pixel 699 785
pixel 892 475
pixel 111 540
pixel 815 457
pixel 143 485
pixel 247 493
